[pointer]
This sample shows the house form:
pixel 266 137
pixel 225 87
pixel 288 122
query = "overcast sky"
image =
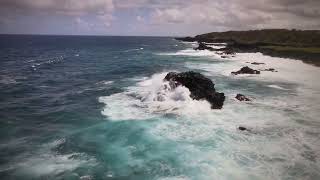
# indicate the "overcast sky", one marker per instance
pixel 154 17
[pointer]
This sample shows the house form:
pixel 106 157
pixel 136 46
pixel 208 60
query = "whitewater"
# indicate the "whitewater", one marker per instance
pixel 282 141
pixel 95 108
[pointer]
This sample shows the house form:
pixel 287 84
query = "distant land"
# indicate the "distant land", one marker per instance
pixel 295 44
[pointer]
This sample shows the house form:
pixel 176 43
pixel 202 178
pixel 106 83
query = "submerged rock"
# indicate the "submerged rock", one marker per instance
pixel 203 46
pixel 229 52
pixel 246 70
pixel 241 128
pixel 241 97
pixel 200 87
pixel 270 69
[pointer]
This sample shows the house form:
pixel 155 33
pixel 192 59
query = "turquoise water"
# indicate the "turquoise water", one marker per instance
pixel 76 107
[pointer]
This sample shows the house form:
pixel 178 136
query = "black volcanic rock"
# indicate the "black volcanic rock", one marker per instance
pixel 268 42
pixel 187 39
pixel 229 52
pixel 203 46
pixel 241 97
pixel 256 63
pixel 200 87
pixel 270 69
pixel 241 128
pixel 246 70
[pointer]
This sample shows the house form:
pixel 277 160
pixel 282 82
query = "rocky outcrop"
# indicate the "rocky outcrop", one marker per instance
pixel 270 69
pixel 187 39
pixel 257 63
pixel 241 128
pixel 203 46
pixel 241 97
pixel 246 70
pixel 200 87
pixel 264 41
pixel 229 52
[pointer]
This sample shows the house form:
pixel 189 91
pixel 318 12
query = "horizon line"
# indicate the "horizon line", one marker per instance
pixel 117 35
pixel 100 35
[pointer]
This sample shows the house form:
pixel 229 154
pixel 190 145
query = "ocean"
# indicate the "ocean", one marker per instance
pixel 94 107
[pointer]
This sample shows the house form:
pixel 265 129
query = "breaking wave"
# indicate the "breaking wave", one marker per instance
pixel 47 162
pixel 151 97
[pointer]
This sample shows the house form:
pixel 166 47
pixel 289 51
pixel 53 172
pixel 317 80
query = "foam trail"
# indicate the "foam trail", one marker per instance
pixel 277 87
pixel 192 52
pixel 106 82
pixel 47 163
pixel 137 49
pixel 216 45
pixel 286 122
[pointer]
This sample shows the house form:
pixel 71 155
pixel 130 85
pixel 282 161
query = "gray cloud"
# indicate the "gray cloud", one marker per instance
pixel 63 6
pixel 239 14
pixel 190 16
pixel 12 11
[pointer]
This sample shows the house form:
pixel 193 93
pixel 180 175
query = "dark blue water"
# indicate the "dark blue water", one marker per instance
pixel 82 107
pixel 49 90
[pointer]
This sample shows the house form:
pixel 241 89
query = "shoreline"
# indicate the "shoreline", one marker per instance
pixel 308 58
pixel 297 48
pixel 277 69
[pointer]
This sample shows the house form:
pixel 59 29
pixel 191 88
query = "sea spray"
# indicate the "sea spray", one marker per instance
pixel 152 97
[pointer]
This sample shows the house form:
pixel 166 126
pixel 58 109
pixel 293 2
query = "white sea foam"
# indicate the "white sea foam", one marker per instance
pixel 46 162
pixel 175 178
pixel 4 79
pixel 136 49
pixel 39 62
pixel 216 46
pixel 302 76
pixel 189 43
pixel 151 97
pixel 288 69
pixel 274 143
pixel 277 87
pixel 192 52
pixel 282 141
pixel 105 82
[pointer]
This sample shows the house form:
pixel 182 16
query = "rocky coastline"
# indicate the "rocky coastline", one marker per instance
pixel 200 87
pixel 299 45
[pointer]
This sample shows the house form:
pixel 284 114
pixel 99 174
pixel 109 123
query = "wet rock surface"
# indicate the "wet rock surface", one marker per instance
pixel 203 46
pixel 246 70
pixel 200 87
pixel 242 97
pixel 270 69
pixel 256 63
pixel 241 128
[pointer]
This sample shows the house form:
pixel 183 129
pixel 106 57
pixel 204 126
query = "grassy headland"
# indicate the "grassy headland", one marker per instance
pixel 296 44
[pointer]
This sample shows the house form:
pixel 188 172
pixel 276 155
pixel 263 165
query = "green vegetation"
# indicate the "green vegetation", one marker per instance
pixel 280 37
pixel 295 44
pixel 293 49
